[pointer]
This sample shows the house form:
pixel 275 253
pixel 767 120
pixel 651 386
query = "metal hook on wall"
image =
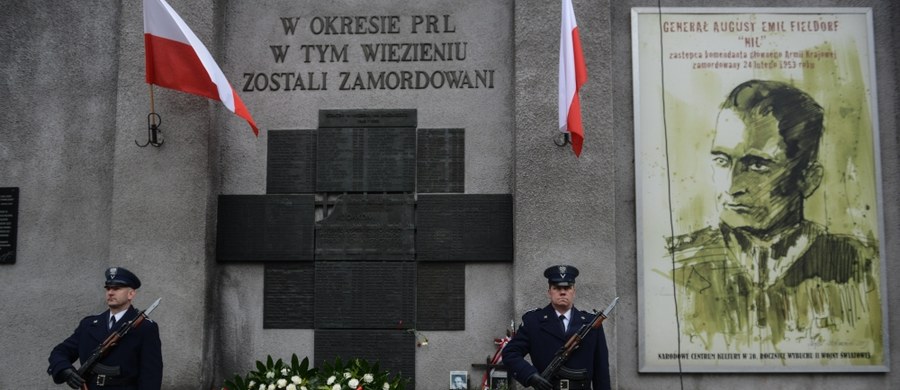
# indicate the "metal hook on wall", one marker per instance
pixel 562 139
pixel 154 134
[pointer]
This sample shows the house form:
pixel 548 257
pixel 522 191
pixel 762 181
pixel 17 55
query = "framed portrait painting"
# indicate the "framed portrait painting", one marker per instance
pixel 759 209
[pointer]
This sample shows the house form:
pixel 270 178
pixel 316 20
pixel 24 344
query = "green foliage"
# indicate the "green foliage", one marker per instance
pixel 356 374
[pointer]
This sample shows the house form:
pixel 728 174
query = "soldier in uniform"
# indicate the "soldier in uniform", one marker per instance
pixel 545 330
pixel 135 363
pixel 766 274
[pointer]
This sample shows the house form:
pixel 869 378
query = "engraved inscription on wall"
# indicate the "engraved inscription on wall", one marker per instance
pixel 291 162
pixel 368 227
pixel 440 160
pixel 9 215
pixel 366 160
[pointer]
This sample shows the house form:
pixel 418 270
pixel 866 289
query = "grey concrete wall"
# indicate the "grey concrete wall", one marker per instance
pixel 565 206
pixel 57 121
pixel 74 103
pixel 160 197
pixel 74 100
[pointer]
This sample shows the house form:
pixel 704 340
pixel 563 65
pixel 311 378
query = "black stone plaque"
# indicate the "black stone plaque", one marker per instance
pixel 263 228
pixel 368 118
pixel 366 160
pixel 394 350
pixel 9 224
pixel 441 296
pixel 291 162
pixel 367 227
pixel 440 160
pixel 464 227
pixel 288 296
pixel 365 295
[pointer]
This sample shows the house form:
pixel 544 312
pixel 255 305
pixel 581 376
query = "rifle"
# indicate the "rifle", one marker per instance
pixel 111 341
pixel 575 341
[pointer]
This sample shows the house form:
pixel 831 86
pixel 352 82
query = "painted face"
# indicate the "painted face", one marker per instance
pixel 752 173
pixel 562 297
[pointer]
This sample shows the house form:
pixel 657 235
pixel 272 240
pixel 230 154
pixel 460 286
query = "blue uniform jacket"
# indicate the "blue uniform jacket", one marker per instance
pixel 138 354
pixel 541 336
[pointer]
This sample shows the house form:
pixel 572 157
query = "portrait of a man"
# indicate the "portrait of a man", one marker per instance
pixel 459 380
pixel 760 226
pixel 764 273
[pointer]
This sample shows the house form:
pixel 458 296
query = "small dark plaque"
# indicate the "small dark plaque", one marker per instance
pixel 365 295
pixel 368 118
pixel 288 296
pixel 291 162
pixel 440 160
pixel 9 224
pixel 394 350
pixel 368 227
pixel 464 227
pixel 265 228
pixel 366 160
pixel 441 296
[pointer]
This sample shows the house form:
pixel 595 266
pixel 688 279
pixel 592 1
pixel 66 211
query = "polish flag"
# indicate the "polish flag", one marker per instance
pixel 176 59
pixel 572 75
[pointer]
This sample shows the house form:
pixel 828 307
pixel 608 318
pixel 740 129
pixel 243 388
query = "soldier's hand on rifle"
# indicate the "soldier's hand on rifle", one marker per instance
pixel 72 379
pixel 537 382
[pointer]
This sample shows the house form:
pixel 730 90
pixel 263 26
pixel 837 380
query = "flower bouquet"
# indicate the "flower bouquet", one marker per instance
pixel 357 374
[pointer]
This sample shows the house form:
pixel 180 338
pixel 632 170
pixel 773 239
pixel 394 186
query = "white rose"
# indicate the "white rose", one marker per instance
pixel 262 386
pixel 271 387
pixel 303 388
pixel 386 386
pixel 296 380
pixel 368 378
pixel 270 374
pixel 330 380
pixel 347 375
pixel 291 387
pixel 251 384
pixel 281 383
pixel 337 386
pixel 353 383
pixel 284 371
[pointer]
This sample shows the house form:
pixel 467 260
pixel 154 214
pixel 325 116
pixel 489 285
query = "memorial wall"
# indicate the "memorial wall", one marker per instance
pixel 401 199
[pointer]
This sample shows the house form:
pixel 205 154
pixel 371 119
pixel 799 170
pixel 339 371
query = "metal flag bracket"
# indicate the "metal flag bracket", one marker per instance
pixel 561 139
pixel 154 134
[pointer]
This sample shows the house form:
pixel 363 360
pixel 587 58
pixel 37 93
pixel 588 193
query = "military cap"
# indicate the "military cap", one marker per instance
pixel 561 275
pixel 118 276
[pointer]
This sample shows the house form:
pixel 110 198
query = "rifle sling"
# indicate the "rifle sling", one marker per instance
pixel 102 369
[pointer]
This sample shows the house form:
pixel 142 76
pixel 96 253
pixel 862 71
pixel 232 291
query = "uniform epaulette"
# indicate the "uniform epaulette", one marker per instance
pixel 531 310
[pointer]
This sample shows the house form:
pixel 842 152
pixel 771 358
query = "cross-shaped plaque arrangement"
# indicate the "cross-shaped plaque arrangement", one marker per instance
pixel 364 231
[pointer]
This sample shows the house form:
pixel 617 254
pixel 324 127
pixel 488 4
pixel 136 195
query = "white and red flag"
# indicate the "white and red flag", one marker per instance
pixel 176 59
pixel 572 75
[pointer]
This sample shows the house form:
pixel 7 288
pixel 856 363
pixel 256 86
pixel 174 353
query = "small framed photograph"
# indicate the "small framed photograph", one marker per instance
pixel 459 380
pixel 499 380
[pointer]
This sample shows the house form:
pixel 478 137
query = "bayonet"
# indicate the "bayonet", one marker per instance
pixel 605 312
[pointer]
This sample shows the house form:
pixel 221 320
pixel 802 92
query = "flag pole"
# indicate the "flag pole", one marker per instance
pixel 152 103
